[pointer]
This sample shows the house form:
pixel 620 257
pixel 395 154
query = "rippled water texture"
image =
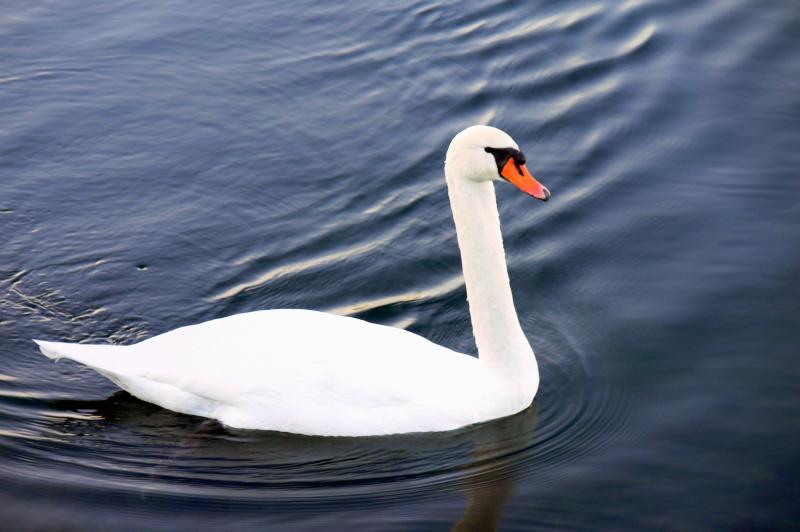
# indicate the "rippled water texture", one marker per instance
pixel 166 163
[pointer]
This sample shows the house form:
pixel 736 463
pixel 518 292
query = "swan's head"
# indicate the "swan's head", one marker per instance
pixel 485 153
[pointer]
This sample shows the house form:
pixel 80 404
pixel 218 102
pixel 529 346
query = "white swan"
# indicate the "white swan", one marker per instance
pixel 314 373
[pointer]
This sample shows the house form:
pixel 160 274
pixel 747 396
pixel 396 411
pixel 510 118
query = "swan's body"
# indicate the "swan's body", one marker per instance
pixel 315 373
pixel 339 375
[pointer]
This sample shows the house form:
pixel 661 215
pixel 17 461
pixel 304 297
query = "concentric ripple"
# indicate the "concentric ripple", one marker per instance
pixel 123 445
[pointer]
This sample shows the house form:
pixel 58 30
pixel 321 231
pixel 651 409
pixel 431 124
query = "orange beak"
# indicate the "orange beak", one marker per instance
pixel 519 176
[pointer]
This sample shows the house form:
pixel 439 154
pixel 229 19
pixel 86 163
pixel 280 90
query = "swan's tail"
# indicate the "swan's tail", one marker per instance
pixel 98 357
pixel 120 365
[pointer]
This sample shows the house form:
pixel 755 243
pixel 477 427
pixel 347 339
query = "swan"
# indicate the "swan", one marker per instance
pixel 315 373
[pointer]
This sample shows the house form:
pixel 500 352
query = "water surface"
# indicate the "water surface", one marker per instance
pixel 166 164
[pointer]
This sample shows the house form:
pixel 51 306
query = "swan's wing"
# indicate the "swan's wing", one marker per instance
pixel 259 350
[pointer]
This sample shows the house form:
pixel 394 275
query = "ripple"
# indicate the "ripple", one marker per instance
pixel 437 291
pixel 166 164
pixel 126 445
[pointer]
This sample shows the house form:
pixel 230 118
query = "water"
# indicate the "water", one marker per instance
pixel 162 165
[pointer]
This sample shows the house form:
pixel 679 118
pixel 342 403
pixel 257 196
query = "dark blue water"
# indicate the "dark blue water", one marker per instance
pixel 166 163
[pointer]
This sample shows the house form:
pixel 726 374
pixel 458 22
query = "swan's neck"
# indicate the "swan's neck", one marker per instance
pixel 498 335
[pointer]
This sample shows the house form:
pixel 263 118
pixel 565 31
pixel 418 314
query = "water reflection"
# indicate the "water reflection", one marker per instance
pixel 489 488
pixel 155 451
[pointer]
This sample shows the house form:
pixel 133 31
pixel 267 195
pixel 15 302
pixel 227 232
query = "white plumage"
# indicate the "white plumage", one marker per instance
pixel 315 373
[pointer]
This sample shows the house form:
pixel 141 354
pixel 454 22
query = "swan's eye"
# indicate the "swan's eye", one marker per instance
pixel 501 156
